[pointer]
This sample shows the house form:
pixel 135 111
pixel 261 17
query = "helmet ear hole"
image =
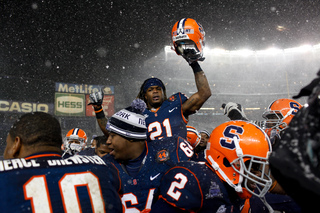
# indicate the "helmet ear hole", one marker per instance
pixel 226 163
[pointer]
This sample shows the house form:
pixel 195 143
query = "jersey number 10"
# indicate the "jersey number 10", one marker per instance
pixel 36 190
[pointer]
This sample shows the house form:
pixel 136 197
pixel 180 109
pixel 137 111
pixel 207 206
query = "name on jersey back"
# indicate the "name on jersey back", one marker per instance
pixel 19 163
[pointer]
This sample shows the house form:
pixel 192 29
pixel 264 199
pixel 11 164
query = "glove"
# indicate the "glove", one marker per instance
pixel 234 111
pixel 96 98
pixel 190 55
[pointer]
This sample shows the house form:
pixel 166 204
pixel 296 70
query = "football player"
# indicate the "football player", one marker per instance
pixel 141 165
pixel 279 114
pixel 168 116
pixel 101 148
pixel 298 171
pixel 277 118
pixel 35 178
pixel 74 142
pixel 237 155
pixel 193 136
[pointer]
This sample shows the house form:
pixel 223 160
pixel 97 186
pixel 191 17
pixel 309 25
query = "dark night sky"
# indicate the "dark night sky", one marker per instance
pixel 100 41
pixel 107 42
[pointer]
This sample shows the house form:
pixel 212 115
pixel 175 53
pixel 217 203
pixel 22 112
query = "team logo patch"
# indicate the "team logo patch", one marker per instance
pixel 162 156
pixel 172 98
pixel 214 191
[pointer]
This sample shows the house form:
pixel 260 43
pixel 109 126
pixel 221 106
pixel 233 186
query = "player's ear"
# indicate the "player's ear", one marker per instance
pixel 16 148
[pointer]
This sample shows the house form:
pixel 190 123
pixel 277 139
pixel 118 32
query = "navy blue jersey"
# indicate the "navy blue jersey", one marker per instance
pixel 168 120
pixel 200 156
pixel 88 151
pixel 140 190
pixel 281 203
pixel 194 186
pixel 47 183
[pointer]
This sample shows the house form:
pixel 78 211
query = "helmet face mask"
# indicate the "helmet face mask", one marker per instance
pixel 188 39
pixel 75 141
pixel 279 114
pixel 254 173
pixel 188 50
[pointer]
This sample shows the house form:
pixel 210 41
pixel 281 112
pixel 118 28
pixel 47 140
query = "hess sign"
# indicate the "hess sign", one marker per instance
pixel 69 104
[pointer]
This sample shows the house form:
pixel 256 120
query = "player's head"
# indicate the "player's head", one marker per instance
pixel 193 136
pixel 279 114
pixel 205 135
pixel 153 92
pixel 127 131
pixel 239 151
pixel 34 131
pixel 75 141
pixel 101 147
pixel 188 39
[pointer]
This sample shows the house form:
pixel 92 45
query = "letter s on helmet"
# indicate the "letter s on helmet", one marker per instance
pixel 188 39
pixel 238 151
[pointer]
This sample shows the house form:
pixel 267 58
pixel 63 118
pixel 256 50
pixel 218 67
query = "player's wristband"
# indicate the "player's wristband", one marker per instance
pixel 196 67
pixel 99 112
pixel 273 185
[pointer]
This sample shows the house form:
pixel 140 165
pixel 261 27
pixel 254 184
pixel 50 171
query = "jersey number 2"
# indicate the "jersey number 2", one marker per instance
pixel 36 190
pixel 175 185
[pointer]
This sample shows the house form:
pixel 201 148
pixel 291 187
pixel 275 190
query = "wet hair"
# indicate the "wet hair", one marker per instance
pixel 101 140
pixel 143 90
pixel 37 128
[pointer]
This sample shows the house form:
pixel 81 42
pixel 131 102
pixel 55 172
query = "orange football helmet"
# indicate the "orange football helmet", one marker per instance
pixel 193 136
pixel 75 141
pixel 238 151
pixel 188 39
pixel 279 114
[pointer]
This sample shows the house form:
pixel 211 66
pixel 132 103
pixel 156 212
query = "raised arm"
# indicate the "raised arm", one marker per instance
pixel 96 100
pixel 195 102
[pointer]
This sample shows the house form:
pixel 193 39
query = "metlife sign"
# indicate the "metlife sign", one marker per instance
pixel 73 99
pixel 83 88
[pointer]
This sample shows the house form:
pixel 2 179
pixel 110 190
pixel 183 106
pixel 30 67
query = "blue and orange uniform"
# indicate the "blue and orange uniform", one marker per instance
pixel 168 119
pixel 140 188
pixel 44 182
pixel 195 187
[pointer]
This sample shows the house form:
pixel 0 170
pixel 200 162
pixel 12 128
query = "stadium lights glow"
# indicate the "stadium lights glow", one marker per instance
pixel 303 48
pixel 247 52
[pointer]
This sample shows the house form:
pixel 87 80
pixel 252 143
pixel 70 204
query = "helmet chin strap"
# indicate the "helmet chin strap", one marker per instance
pixel 216 167
pixel 239 153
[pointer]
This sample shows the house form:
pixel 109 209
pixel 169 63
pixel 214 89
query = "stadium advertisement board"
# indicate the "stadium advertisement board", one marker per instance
pixel 73 99
pixel 68 104
pixel 83 88
pixel 24 107
pixel 107 104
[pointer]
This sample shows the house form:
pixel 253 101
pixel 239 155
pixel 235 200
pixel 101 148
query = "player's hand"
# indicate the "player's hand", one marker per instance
pixel 96 98
pixel 234 111
pixel 190 55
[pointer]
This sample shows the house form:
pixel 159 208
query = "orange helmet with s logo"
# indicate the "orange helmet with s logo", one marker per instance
pixel 238 151
pixel 193 136
pixel 279 114
pixel 188 39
